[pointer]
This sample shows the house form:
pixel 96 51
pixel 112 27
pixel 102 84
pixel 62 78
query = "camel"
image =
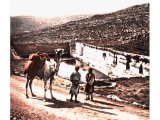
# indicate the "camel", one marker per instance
pixel 42 66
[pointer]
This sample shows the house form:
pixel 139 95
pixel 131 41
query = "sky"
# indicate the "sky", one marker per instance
pixel 68 7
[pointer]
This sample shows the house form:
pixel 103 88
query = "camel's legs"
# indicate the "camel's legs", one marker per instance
pixel 30 85
pixel 45 88
pixel 50 87
pixel 27 87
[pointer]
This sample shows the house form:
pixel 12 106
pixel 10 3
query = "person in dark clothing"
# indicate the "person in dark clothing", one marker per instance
pixel 89 89
pixel 141 69
pixel 128 58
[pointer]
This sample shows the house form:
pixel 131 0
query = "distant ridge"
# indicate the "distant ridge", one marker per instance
pixel 20 24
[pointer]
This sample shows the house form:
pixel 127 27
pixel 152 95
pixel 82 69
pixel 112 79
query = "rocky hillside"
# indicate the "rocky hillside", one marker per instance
pixel 125 30
pixel 24 24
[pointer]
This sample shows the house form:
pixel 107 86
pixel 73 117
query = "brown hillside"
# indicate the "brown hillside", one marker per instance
pixel 126 30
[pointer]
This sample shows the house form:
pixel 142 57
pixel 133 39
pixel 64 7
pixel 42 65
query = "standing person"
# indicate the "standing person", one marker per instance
pixel 75 79
pixel 128 58
pixel 90 79
pixel 141 69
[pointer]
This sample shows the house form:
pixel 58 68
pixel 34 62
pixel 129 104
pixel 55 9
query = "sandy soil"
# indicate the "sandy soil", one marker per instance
pixel 61 108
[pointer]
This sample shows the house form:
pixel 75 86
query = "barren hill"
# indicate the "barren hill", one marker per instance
pixel 125 30
pixel 24 24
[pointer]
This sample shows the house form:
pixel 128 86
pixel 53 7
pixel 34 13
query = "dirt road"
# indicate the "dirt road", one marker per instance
pixel 62 109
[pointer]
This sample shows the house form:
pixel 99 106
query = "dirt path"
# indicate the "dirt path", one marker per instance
pixel 62 108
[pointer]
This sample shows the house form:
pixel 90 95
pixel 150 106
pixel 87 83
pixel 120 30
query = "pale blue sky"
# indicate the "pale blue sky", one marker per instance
pixel 68 7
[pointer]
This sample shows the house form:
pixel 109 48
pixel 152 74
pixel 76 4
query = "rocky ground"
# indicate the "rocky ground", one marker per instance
pixel 129 91
pixel 61 108
pixel 132 91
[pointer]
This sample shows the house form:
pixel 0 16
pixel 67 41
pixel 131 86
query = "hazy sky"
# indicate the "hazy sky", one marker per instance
pixel 68 7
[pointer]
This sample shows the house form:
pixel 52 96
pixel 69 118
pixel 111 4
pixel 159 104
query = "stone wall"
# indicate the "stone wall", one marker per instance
pixel 110 62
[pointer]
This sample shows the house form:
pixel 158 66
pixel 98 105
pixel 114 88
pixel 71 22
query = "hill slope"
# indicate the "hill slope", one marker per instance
pixel 125 30
pixel 22 24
